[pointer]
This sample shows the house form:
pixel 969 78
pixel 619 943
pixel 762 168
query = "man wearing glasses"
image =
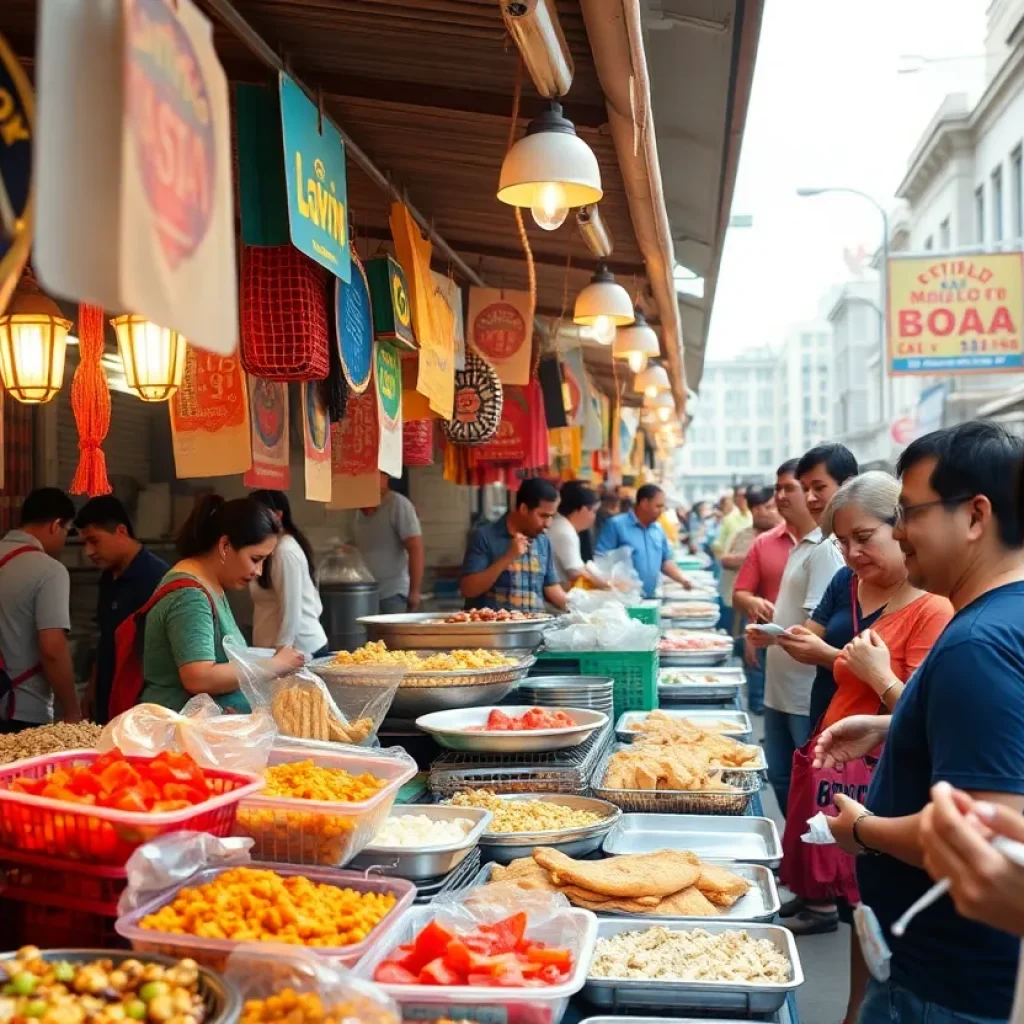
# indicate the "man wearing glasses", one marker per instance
pixel 960 720
pixel 35 615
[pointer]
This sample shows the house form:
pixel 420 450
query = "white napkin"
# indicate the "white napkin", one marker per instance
pixel 818 831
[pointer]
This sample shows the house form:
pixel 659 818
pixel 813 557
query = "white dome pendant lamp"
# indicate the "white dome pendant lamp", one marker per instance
pixel 603 305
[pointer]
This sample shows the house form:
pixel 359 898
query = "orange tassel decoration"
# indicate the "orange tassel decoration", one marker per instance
pixel 90 401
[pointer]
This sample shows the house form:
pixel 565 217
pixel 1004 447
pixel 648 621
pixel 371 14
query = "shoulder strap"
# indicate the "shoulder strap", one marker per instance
pixel 23 550
pixel 170 587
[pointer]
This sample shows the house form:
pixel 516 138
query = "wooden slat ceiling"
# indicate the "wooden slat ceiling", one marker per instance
pixel 425 88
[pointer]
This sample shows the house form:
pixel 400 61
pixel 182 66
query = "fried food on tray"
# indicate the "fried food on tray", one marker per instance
pixel 301 710
pixel 670 883
pixel 649 767
pixel 376 653
pixel 718 751
pixel 494 615
pixel 525 815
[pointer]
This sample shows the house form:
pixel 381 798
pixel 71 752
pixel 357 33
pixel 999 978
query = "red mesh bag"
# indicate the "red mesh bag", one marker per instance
pixel 418 443
pixel 284 314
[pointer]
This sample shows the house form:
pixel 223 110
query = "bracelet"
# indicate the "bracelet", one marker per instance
pixel 881 696
pixel 856 836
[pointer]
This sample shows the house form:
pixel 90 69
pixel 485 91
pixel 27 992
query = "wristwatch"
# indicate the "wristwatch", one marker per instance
pixel 856 835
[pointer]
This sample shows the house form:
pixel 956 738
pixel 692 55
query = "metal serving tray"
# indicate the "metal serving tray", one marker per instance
pixel 738 722
pixel 561 771
pixel 708 684
pixel 758 906
pixel 426 862
pixel 727 996
pixel 747 839
pixel 429 630
pixel 505 847
pixel 678 801
pixel 693 659
pixel 456 881
pixel 760 763
pixel 464 729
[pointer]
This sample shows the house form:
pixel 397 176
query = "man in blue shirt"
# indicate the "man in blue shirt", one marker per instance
pixel 960 720
pixel 131 574
pixel 639 531
pixel 509 564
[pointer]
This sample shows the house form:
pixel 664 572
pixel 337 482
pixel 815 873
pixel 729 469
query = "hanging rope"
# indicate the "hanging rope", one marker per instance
pixel 90 401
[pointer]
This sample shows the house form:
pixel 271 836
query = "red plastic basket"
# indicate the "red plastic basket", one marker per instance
pixel 23 923
pixel 35 824
pixel 65 884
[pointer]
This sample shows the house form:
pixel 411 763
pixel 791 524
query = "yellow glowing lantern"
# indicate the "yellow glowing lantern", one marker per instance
pixel 33 342
pixel 153 357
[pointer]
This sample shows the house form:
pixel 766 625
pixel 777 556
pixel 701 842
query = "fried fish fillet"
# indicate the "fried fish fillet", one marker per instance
pixel 644 874
pixel 687 903
pixel 721 886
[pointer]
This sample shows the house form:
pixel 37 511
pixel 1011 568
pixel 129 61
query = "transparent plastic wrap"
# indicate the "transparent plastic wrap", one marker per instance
pixel 597 621
pixel 346 707
pixel 283 985
pixel 344 565
pixel 201 729
pixel 617 568
pixel 329 832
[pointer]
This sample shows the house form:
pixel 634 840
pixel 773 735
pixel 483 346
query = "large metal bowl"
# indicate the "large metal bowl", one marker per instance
pixel 463 729
pixel 429 630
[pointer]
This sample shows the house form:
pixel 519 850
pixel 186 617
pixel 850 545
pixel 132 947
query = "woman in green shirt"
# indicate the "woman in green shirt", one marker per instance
pixel 223 546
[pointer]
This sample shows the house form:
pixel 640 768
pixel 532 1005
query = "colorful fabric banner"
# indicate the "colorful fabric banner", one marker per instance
pixel 499 327
pixel 268 415
pixel 355 451
pixel 452 295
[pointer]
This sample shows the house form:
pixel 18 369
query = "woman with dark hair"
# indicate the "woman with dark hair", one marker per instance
pixel 223 546
pixel 286 602
pixel 577 511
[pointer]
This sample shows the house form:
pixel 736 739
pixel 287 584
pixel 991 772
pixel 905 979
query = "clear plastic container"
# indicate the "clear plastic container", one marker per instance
pixel 463 1002
pixel 291 831
pixel 56 828
pixel 214 953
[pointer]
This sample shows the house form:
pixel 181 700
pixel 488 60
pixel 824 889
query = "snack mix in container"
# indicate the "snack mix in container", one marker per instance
pixel 526 816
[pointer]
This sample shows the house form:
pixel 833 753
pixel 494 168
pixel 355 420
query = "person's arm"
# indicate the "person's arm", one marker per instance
pixel 671 570
pixel 565 545
pixel 55 658
pixel 478 573
pixel 748 583
pixel 286 569
pixel 806 643
pixel 411 535
pixel 554 594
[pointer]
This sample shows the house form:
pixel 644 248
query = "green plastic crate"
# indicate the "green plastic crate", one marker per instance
pixel 648 613
pixel 635 673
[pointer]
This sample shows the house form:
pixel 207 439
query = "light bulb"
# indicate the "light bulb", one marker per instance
pixel 604 329
pixel 550 206
pixel 663 413
pixel 637 361
pixel 651 391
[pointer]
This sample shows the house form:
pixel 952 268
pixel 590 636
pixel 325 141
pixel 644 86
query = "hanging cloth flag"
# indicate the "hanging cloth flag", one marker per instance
pixel 90 402
pixel 387 376
pixel 501 329
pixel 355 452
pixel 268 412
pixel 452 295
pixel 431 317
pixel 210 418
pixel 316 424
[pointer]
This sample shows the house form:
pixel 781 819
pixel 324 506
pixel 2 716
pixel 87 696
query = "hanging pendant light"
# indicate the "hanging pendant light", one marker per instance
pixel 550 170
pixel 636 343
pixel 665 406
pixel 603 305
pixel 652 381
pixel 153 357
pixel 33 342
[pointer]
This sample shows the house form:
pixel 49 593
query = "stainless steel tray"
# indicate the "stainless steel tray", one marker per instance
pixel 431 677
pixel 747 839
pixel 712 684
pixel 693 659
pixel 429 630
pixel 461 729
pixel 682 622
pixel 426 862
pixel 727 996
pixel 455 881
pixel 675 801
pixel 758 906
pixel 738 722
pixel 504 847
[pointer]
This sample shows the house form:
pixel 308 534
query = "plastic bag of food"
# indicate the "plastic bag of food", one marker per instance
pixel 608 628
pixel 295 986
pixel 212 738
pixel 342 706
pixel 172 859
pixel 617 568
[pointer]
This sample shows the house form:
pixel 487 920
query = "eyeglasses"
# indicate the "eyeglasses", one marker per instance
pixel 903 512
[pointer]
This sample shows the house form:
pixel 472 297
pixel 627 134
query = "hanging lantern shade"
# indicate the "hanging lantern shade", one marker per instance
pixel 636 343
pixel 603 305
pixel 652 381
pixel 153 357
pixel 664 406
pixel 33 342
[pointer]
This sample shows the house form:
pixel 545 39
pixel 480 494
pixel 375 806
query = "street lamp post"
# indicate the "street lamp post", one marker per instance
pixel 883 278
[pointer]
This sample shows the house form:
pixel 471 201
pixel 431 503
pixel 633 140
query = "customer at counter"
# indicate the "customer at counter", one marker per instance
pixel 509 564
pixel 35 615
pixel 639 531
pixel 131 574
pixel 223 546
pixel 576 512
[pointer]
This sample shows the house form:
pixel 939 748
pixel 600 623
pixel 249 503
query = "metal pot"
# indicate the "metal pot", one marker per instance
pixel 344 604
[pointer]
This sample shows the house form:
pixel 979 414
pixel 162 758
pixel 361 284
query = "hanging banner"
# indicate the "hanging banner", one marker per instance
pixel 510 443
pixel 262 186
pixel 210 418
pixel 500 329
pixel 133 98
pixel 316 443
pixel 574 386
pixel 268 415
pixel 16 215
pixel 452 295
pixel 389 293
pixel 353 323
pixel 956 314
pixel 314 166
pixel 355 452
pixel 387 371
pixel 431 317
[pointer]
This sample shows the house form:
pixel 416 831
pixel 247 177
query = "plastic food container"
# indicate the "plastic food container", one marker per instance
pixel 35 824
pixel 291 831
pixel 463 1002
pixel 214 953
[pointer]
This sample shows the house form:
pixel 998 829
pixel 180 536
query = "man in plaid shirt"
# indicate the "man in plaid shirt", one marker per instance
pixel 509 564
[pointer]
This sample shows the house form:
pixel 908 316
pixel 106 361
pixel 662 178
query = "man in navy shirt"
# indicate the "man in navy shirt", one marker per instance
pixel 131 574
pixel 960 720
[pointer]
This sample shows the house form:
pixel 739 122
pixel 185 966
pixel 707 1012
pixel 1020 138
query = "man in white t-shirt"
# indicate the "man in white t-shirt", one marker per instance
pixel 577 510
